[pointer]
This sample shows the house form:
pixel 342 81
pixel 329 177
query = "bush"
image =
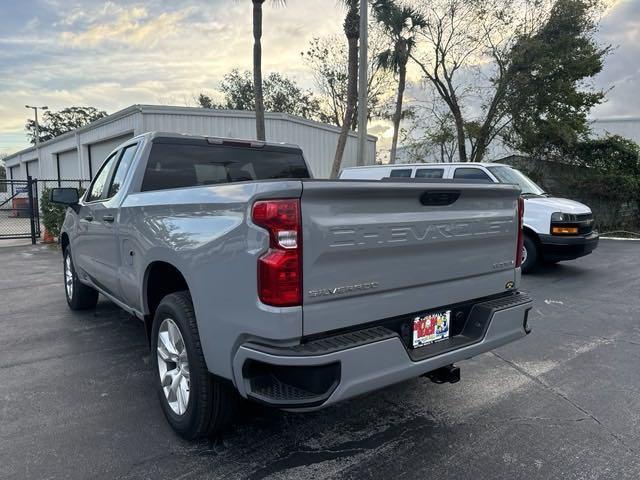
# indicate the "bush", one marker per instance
pixel 614 198
pixel 52 215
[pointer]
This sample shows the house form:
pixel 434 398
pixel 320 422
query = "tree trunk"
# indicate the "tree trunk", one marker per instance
pixel 462 145
pixel 257 69
pixel 397 116
pixel 352 98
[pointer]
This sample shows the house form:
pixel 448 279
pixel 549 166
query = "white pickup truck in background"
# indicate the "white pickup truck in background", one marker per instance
pixel 555 229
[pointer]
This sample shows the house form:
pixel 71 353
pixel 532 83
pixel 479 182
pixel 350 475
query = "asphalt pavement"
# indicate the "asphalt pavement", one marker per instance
pixel 76 396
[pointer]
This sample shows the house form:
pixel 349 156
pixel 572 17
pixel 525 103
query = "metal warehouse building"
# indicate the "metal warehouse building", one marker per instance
pixel 78 154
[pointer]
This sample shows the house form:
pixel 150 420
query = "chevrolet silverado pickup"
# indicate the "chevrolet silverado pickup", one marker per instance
pixel 255 280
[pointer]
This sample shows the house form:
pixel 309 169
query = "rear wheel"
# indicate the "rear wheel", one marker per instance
pixel 195 403
pixel 530 255
pixel 79 296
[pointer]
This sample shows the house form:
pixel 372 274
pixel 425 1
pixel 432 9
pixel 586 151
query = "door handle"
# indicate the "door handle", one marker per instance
pixel 108 218
pixel 89 218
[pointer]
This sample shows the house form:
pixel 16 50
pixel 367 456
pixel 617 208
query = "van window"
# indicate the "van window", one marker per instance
pixel 472 174
pixel 400 172
pixel 429 173
pixel 179 165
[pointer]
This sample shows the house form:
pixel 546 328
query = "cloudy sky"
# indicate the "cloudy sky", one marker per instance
pixel 116 53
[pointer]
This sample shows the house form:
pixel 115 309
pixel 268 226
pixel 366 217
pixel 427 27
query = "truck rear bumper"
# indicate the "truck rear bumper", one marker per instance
pixel 323 372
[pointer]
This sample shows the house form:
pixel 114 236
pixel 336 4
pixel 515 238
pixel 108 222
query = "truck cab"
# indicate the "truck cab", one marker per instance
pixel 555 229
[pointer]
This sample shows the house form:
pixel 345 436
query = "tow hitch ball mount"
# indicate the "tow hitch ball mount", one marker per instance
pixel 446 374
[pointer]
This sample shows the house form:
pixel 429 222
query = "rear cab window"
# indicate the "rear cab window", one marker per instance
pixel 179 164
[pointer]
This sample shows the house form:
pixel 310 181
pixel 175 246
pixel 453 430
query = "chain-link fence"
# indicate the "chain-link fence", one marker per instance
pixel 20 202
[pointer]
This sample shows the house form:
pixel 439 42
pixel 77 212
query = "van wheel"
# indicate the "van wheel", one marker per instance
pixel 529 255
pixel 79 296
pixel 195 403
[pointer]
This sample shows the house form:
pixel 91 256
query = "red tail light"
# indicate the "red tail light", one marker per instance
pixel 280 269
pixel 520 234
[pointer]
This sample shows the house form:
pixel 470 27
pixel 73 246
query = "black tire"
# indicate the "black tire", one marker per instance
pixel 212 402
pixel 79 296
pixel 532 255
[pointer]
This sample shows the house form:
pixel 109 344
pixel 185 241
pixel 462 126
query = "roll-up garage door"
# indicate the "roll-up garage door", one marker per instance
pixel 68 167
pixel 98 152
pixel 32 169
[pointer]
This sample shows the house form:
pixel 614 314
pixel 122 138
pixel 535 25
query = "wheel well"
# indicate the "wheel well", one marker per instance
pixel 533 235
pixel 64 241
pixel 161 279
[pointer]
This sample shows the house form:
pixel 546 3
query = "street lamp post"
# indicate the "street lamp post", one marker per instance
pixel 35 109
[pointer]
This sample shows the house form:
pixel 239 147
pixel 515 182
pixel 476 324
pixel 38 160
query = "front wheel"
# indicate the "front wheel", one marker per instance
pixel 530 255
pixel 195 403
pixel 79 296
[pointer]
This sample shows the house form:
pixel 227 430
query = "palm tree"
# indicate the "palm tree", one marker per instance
pixel 257 65
pixel 400 24
pixel 352 32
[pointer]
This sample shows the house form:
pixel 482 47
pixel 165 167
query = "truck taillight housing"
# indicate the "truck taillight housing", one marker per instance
pixel 520 243
pixel 280 268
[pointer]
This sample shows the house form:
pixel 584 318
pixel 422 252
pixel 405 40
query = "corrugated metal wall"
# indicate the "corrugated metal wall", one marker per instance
pixel 318 141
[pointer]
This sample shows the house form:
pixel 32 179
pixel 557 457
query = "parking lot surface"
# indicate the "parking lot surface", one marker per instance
pixel 77 398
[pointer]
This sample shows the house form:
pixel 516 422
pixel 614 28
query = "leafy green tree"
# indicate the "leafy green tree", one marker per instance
pixel 205 101
pixel 400 23
pixel 546 97
pixel 611 154
pixel 281 94
pixel 65 120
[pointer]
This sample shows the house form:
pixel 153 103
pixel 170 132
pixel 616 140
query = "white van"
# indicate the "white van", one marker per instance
pixel 556 229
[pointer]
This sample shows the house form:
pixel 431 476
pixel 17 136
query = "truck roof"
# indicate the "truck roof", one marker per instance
pixel 433 164
pixel 216 140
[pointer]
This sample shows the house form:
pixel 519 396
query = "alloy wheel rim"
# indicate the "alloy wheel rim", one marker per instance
pixel 68 277
pixel 173 366
pixel 524 255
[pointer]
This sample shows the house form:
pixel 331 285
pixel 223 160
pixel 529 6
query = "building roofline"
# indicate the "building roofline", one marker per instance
pixel 104 120
pixel 212 112
pixel 176 110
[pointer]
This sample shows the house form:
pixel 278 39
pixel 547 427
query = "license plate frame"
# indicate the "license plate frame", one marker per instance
pixel 430 328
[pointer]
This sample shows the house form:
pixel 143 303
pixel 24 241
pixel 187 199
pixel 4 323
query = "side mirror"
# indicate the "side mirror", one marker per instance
pixel 64 196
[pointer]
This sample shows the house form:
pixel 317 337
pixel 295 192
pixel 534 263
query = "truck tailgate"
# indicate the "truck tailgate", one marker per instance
pixel 374 250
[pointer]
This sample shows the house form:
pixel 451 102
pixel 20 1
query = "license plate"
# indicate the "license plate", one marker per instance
pixel 430 328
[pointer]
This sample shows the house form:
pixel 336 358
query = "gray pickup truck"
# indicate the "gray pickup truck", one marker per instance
pixel 254 279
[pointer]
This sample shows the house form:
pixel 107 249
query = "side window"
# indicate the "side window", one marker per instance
pixel 123 167
pixel 429 173
pixel 400 172
pixel 97 188
pixel 472 174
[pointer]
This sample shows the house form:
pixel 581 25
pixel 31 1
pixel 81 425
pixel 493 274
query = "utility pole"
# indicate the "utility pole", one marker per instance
pixel 362 84
pixel 35 109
